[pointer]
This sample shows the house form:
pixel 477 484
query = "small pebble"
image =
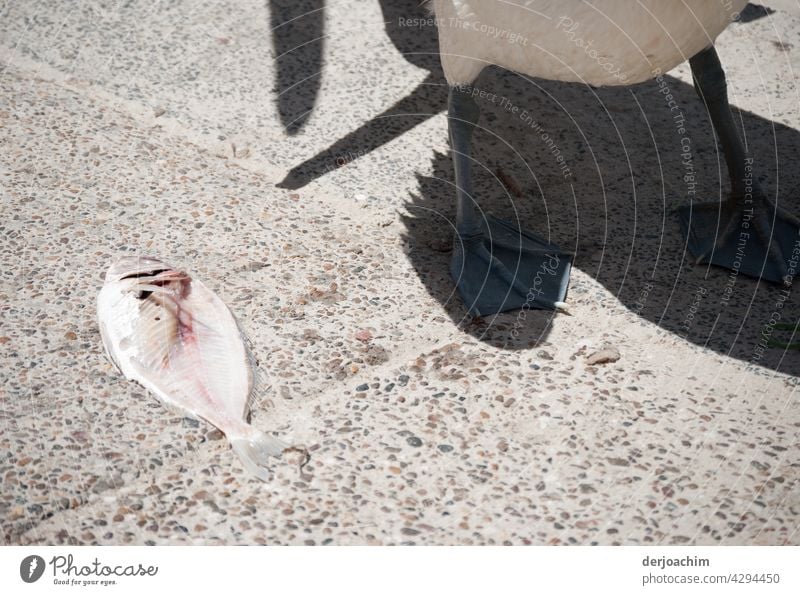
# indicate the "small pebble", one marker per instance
pixel 363 335
pixel 606 355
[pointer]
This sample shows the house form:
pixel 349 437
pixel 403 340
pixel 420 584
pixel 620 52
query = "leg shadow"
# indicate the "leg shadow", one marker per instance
pixel 297 30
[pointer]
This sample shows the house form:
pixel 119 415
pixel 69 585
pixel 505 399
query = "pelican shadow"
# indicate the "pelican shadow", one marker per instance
pixel 600 172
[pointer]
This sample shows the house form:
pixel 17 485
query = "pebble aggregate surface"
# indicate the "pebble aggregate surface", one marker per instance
pixel 648 416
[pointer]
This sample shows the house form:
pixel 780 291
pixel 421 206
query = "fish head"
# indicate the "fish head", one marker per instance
pixel 143 275
pixel 136 267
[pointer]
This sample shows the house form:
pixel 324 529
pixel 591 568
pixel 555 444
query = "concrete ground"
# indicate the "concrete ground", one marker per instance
pixel 308 183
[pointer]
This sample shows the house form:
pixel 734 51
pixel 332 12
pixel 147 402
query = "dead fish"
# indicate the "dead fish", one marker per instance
pixel 175 337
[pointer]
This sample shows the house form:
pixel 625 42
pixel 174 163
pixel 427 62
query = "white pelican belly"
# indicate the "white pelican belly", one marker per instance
pixel 599 42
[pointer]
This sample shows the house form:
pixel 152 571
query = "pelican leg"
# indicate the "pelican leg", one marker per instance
pixel 496 266
pixel 746 232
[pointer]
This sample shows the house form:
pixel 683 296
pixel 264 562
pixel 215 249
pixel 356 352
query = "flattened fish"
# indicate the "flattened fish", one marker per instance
pixel 175 337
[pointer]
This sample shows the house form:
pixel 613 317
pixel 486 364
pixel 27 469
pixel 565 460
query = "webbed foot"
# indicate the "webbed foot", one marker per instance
pixel 502 268
pixel 755 237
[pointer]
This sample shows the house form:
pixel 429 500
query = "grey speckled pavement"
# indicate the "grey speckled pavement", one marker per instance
pixel 322 216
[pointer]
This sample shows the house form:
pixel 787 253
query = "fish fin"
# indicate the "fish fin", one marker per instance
pixel 254 452
pixel 252 363
pixel 106 348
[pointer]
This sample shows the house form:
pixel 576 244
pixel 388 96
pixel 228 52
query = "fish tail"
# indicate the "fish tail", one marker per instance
pixel 254 450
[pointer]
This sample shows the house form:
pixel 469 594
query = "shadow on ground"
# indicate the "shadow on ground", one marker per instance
pixel 296 29
pixel 600 172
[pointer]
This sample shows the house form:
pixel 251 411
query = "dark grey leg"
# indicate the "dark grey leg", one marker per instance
pixel 463 114
pixel 711 86
pixel 494 263
pixel 747 218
